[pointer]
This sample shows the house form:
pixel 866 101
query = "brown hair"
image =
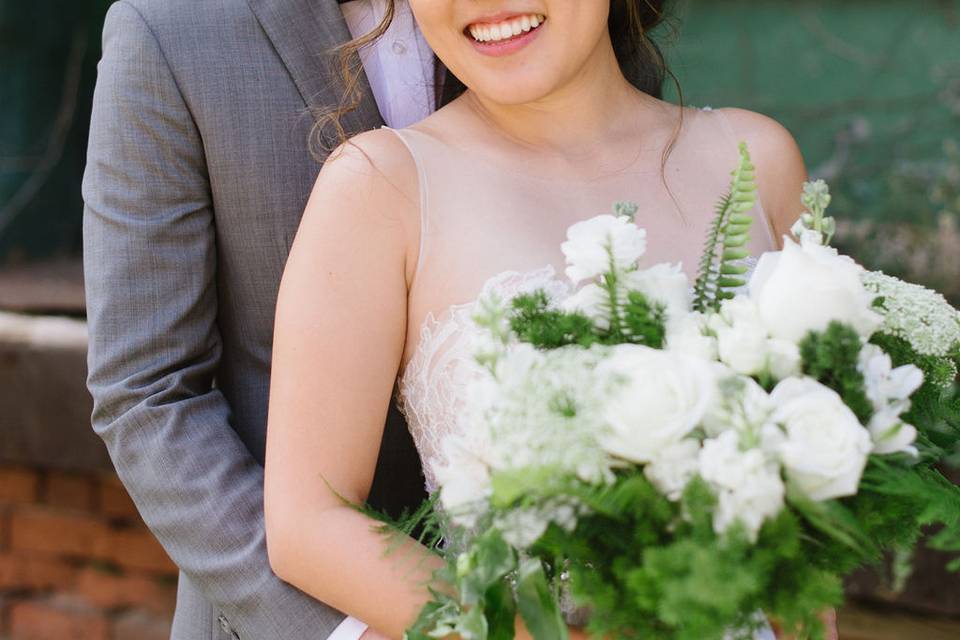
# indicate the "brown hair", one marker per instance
pixel 630 23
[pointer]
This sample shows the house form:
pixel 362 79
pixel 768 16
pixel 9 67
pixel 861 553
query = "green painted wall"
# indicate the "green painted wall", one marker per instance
pixel 870 89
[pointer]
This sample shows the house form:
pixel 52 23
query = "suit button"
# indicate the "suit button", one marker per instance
pixel 399 47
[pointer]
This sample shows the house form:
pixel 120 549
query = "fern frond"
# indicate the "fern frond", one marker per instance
pixel 720 268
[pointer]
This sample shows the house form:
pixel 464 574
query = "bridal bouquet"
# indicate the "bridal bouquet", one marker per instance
pixel 676 461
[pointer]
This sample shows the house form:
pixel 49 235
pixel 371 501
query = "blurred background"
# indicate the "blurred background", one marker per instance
pixel 870 89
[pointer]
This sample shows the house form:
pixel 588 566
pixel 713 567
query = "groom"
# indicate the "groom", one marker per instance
pixel 198 171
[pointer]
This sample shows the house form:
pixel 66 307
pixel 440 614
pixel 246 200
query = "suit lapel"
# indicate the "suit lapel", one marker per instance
pixel 302 31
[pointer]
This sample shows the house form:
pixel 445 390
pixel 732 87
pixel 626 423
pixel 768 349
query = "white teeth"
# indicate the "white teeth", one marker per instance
pixel 504 30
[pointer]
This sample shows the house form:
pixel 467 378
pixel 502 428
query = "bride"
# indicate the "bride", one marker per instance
pixel 405 227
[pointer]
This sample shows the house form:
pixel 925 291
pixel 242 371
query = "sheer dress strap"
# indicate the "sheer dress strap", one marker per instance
pixel 406 136
pixel 734 140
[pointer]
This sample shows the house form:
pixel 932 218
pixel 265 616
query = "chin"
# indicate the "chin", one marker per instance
pixel 514 90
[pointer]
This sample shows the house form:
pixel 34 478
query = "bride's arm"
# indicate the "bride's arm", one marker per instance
pixel 339 336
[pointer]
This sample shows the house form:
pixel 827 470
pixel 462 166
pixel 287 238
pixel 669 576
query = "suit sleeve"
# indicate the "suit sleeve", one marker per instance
pixel 150 266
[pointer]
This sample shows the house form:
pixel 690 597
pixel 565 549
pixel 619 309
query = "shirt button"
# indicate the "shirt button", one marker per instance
pixel 399 48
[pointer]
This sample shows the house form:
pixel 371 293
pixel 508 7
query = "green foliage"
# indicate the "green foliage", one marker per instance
pixel 532 320
pixel 720 266
pixel 935 406
pixel 538 603
pixel 831 358
pixel 646 567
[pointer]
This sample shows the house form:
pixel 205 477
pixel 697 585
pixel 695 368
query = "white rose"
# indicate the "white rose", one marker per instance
pixel 747 483
pixel 589 244
pixel 673 467
pixel 687 334
pixel 805 287
pixel 593 301
pixel 661 398
pixel 663 283
pixel 826 447
pixel 891 434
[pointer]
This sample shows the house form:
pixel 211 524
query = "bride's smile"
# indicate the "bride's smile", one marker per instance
pixel 501 35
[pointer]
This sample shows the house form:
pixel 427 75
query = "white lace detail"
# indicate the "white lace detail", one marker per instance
pixel 432 388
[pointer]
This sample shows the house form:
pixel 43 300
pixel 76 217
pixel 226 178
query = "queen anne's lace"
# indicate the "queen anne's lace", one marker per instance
pixel 918 315
pixel 433 386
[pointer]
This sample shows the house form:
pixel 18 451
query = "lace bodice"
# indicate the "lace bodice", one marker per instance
pixel 432 388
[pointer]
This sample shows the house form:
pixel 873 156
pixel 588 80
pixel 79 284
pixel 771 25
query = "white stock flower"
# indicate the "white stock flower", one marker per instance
pixel 747 483
pixel 590 243
pixel 887 388
pixel 743 342
pixel 593 301
pixel 889 391
pixel 673 467
pixel 740 404
pixel 891 434
pixel 783 358
pixel 805 287
pixel 661 398
pixel 464 478
pixel 826 447
pixel 687 334
pixel 664 283
pixel 741 336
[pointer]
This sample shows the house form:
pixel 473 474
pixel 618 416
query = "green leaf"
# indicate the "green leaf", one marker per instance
pixel 538 607
pixel 488 561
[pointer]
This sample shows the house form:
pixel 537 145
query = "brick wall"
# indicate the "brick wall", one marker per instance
pixel 77 562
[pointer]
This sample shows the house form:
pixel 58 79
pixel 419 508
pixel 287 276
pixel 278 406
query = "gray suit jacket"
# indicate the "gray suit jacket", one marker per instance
pixel 197 173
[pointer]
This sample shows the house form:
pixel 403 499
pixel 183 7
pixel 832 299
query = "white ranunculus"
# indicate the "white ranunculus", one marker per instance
pixel 664 283
pixel 589 244
pixel 593 301
pixel 687 334
pixel 826 447
pixel 747 483
pixel 662 398
pixel 805 287
pixel 673 467
pixel 891 434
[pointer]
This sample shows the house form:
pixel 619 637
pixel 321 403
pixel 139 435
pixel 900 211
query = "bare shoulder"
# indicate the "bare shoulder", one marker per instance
pixel 781 170
pixel 366 196
pixel 376 160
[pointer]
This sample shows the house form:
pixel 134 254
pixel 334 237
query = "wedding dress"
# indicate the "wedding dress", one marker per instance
pixel 492 228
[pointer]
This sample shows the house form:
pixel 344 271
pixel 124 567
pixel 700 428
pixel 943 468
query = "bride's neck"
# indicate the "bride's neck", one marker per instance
pixel 595 106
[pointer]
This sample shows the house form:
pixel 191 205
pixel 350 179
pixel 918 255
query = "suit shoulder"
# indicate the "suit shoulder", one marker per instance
pixel 170 18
